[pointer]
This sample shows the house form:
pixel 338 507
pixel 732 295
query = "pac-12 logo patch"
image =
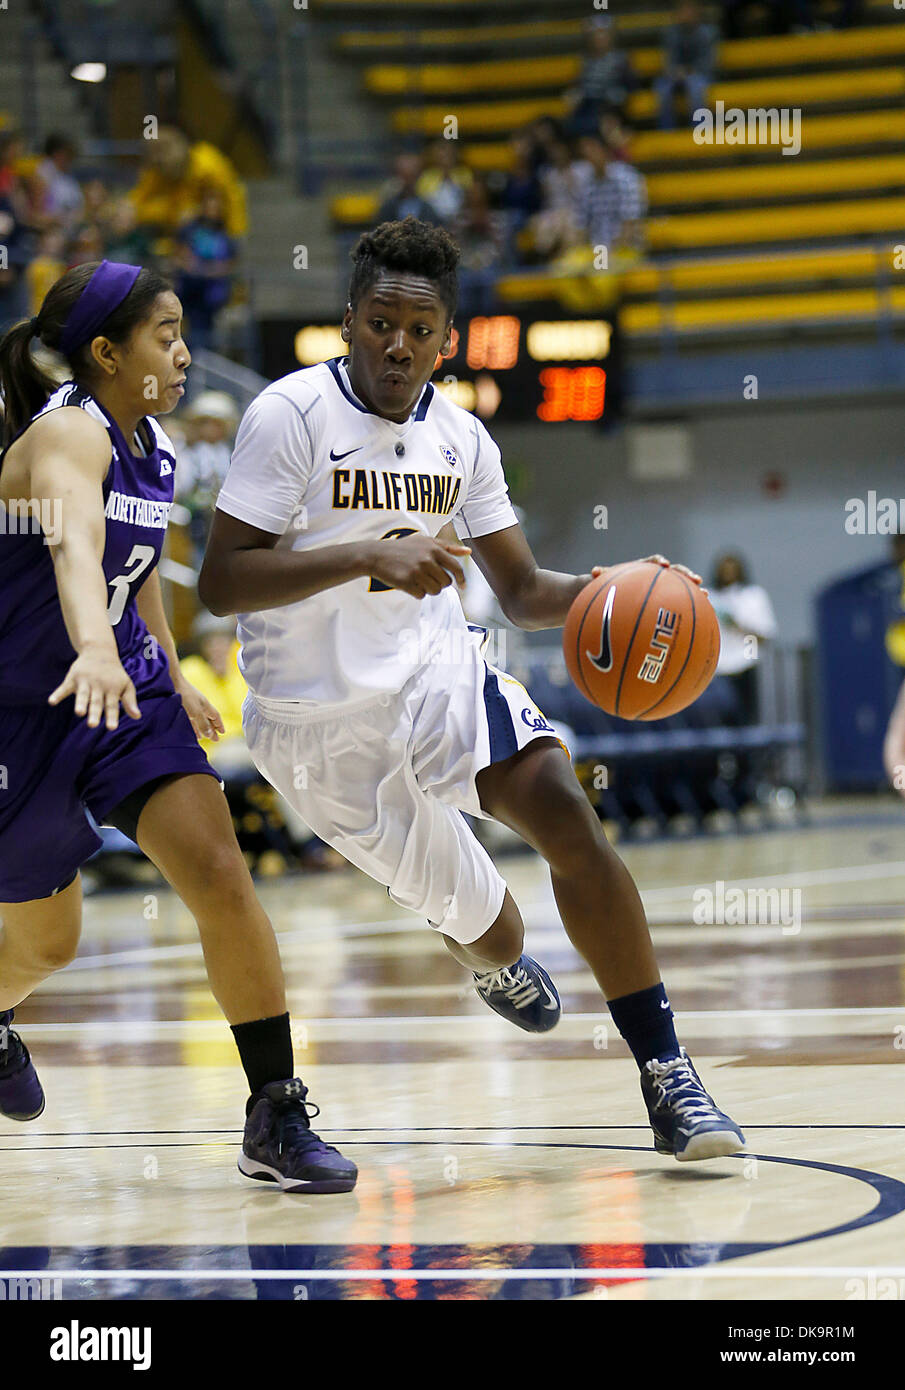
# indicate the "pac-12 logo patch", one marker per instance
pixel 449 454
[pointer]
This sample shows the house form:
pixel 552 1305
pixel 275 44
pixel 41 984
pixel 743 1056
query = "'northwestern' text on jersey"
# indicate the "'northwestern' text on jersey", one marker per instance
pixel 35 650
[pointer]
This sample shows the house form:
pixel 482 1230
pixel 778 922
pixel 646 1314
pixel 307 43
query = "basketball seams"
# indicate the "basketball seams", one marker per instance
pixel 694 623
pixel 631 642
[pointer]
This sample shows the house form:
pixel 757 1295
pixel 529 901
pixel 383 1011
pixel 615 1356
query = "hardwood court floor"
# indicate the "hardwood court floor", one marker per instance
pixel 493 1164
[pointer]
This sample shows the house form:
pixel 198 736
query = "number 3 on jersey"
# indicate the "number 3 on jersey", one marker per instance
pixel 140 558
pixel 396 534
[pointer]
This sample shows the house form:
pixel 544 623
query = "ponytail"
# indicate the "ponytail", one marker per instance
pixel 24 384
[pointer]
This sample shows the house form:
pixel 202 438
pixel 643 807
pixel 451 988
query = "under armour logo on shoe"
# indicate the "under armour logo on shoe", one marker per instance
pixel 293 1088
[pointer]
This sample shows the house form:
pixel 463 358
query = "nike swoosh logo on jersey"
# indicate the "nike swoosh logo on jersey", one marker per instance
pixel 604 658
pixel 664 1003
pixel 336 457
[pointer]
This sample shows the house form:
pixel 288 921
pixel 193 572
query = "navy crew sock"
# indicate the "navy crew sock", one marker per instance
pixel 645 1021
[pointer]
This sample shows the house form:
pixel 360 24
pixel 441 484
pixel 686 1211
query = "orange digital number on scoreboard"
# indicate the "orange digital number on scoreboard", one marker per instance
pixel 493 342
pixel 572 393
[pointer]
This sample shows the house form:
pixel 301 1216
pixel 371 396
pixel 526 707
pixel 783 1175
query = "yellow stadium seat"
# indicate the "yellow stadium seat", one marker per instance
pixel 690 316
pixel 870 216
pixel 784 178
pixel 657 147
pixel 804 89
pixel 555 71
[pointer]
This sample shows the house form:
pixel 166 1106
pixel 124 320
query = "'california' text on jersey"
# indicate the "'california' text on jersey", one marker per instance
pixel 313 466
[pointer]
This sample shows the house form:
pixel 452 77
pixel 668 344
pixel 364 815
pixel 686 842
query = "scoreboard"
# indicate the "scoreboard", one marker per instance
pixel 500 366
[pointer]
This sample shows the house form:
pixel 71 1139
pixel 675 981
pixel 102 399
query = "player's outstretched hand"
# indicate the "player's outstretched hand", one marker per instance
pixel 656 560
pixel 97 680
pixel 419 564
pixel 206 720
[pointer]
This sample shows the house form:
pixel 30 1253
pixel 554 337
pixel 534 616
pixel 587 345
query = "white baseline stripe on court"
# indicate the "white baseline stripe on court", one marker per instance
pixel 854 873
pixel 119 1031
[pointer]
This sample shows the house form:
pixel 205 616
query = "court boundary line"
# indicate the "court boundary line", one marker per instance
pixel 125 1030
pixel 399 1129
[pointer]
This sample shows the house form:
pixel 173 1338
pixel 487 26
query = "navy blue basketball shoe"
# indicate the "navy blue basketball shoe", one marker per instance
pixel 523 993
pixel 21 1093
pixel 280 1146
pixel 684 1118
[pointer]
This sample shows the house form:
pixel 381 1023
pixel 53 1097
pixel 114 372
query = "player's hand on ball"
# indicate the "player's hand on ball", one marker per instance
pixel 204 718
pixel 419 564
pixel 655 560
pixel 99 683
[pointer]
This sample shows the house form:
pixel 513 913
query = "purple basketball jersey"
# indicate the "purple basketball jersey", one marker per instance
pixel 35 651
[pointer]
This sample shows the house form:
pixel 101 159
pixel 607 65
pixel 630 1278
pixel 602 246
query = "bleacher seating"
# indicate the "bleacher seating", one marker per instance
pixel 690 764
pixel 818 229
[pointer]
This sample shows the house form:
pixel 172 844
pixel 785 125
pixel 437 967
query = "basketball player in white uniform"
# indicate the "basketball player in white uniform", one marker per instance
pixel 372 708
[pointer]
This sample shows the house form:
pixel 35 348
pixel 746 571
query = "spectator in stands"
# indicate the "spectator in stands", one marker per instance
pixel 214 671
pixel 211 421
pixel 205 260
pixel 558 225
pixel 124 239
pixel 14 231
pixel 544 133
pixel 402 199
pixel 616 134
pixel 850 12
pixel 607 77
pixel 521 195
pixel 689 49
pixel 481 236
pixel 444 179
pixel 777 11
pixel 62 200
pixel 612 200
pixel 12 148
pixel 173 180
pixel 87 244
pixel 98 202
pixel 45 267
pixel 746 620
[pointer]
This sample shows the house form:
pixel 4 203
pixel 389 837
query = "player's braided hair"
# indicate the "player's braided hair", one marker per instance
pixel 26 385
pixel 412 247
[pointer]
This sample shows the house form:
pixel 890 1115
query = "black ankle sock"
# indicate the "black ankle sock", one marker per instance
pixel 265 1047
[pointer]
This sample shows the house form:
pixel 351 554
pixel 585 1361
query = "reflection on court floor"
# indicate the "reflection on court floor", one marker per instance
pixel 493 1164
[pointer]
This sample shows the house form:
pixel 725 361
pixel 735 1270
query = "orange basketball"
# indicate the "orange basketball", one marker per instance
pixel 641 641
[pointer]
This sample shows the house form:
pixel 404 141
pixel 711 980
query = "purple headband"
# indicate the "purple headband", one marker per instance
pixel 104 292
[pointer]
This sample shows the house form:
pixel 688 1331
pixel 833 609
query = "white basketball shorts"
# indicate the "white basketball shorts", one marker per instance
pixel 386 781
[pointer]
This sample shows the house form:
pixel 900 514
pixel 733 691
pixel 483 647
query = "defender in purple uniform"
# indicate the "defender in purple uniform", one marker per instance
pixel 86 486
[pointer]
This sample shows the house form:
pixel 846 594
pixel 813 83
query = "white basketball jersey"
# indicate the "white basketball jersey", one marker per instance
pixel 314 466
